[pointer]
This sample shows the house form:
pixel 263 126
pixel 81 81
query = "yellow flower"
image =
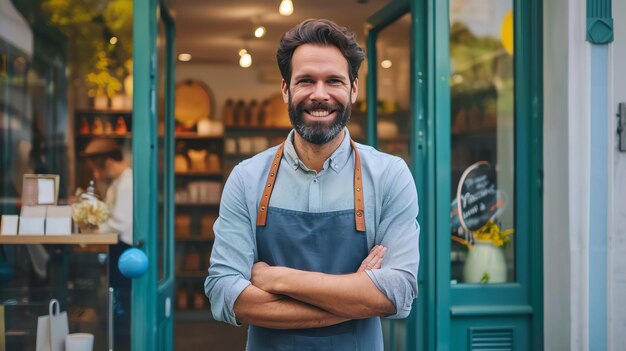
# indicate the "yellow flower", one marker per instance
pixel 491 232
pixel 90 211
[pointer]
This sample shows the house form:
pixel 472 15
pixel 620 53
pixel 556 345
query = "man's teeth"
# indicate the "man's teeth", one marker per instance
pixel 319 113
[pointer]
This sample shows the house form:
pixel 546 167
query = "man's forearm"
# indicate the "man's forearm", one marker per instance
pixel 350 296
pixel 257 307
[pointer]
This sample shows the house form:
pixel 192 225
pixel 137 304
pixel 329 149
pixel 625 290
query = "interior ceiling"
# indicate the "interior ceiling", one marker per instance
pixel 214 31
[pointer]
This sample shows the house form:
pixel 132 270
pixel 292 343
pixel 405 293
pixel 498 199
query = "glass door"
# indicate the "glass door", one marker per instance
pixel 395 125
pixel 488 189
pixel 153 148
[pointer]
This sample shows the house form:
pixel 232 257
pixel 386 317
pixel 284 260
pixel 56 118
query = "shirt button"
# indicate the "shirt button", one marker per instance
pixel 314 180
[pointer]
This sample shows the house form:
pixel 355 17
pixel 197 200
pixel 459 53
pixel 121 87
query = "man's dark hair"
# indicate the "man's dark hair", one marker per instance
pixel 321 32
pixel 99 160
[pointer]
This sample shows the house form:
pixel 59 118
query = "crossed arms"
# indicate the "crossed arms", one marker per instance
pixel 285 298
pixel 243 290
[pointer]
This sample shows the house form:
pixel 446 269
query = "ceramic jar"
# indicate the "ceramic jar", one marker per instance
pixel 485 264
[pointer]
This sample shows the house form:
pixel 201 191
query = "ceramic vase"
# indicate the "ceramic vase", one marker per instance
pixel 485 264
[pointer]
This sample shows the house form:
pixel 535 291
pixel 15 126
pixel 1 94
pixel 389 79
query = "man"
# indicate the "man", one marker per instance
pixel 296 222
pixel 106 161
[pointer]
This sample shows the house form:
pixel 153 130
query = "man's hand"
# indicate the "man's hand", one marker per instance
pixel 263 275
pixel 374 260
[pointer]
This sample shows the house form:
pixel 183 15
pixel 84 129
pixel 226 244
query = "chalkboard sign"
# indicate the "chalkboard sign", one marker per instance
pixel 476 196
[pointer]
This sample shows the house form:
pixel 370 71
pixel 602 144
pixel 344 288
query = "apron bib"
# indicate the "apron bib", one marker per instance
pixel 327 242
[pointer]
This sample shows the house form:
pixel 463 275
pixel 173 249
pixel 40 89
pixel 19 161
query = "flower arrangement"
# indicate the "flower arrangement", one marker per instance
pixel 90 212
pixel 491 232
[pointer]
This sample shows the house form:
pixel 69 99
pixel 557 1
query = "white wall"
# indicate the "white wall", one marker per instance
pixel 555 229
pixel 617 234
pixel 565 142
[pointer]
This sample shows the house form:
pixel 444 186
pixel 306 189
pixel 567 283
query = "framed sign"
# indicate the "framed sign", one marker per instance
pixel 476 202
pixel 40 189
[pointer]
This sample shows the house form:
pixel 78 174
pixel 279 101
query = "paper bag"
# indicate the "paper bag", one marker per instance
pixel 52 329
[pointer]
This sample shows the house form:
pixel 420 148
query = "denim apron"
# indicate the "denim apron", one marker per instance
pixel 327 242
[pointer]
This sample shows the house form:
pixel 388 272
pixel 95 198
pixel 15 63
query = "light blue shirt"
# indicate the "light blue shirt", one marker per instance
pixel 391 211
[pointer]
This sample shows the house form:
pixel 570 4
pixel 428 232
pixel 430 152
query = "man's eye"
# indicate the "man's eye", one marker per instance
pixel 335 81
pixel 305 81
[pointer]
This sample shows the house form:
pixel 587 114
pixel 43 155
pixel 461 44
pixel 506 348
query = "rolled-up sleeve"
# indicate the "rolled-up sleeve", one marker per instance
pixel 233 251
pixel 398 230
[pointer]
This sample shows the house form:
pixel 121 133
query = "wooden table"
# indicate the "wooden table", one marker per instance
pixel 78 239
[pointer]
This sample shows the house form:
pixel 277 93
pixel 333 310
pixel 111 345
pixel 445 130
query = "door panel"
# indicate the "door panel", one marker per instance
pixel 153 174
pixel 488 275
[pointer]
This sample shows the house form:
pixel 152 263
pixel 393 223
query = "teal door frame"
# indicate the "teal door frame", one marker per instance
pixel 429 326
pixel 152 299
pixel 518 305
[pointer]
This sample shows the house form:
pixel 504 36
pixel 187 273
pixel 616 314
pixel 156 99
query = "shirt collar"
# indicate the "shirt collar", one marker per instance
pixel 336 161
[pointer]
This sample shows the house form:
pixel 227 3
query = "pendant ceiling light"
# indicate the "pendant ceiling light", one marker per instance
pixel 259 32
pixel 245 59
pixel 286 8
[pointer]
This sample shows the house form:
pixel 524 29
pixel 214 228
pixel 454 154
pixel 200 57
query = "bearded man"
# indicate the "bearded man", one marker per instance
pixel 317 238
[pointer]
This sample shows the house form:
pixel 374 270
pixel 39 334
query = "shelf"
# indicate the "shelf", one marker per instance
pixel 191 274
pixel 191 315
pixel 82 239
pixel 194 238
pixel 108 112
pixel 105 136
pixel 196 204
pixel 263 128
pixel 199 174
pixel 187 135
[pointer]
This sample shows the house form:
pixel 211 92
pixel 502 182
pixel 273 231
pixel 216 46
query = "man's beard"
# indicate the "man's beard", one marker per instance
pixel 316 132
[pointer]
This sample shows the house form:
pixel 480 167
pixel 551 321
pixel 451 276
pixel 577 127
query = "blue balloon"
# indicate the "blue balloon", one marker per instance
pixel 133 263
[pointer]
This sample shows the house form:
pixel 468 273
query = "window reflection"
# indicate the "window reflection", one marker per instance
pixel 394 84
pixel 482 111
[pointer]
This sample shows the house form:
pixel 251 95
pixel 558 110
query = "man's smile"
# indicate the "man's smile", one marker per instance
pixel 319 113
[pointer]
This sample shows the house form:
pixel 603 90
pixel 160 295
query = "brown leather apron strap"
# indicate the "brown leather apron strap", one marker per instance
pixel 261 217
pixel 359 205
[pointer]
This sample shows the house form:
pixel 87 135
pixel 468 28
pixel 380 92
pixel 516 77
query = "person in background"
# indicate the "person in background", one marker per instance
pixel 303 226
pixel 106 161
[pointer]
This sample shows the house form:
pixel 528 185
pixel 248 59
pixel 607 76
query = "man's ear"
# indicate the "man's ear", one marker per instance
pixel 355 89
pixel 285 91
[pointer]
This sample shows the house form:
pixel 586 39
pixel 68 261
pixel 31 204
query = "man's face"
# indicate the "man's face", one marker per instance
pixel 101 173
pixel 319 95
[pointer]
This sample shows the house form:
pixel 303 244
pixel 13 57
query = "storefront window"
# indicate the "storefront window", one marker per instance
pixel 483 139
pixel 64 73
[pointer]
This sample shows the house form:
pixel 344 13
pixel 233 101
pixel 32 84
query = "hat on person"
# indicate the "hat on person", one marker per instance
pixel 98 147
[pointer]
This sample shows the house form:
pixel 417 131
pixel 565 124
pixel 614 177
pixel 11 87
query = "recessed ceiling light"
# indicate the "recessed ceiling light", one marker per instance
pixel 184 57
pixel 286 8
pixel 260 31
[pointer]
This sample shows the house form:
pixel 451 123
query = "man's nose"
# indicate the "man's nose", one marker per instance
pixel 319 92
